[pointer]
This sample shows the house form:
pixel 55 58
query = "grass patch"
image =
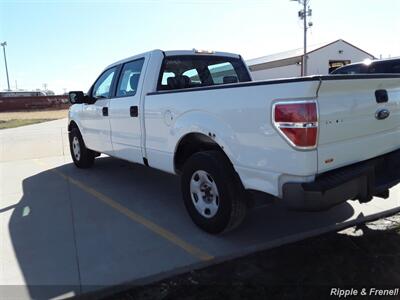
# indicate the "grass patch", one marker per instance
pixel 34 114
pixel 4 124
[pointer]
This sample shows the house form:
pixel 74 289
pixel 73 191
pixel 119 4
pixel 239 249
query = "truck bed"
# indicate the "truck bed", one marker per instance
pixel 348 129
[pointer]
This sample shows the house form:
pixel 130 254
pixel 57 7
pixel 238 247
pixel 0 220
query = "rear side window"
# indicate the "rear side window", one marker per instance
pixel 129 78
pixel 188 71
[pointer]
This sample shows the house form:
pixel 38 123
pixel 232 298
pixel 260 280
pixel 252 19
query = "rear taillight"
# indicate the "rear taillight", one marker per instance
pixel 297 122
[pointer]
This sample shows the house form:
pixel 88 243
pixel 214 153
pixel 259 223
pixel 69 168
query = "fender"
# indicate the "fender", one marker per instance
pixel 206 123
pixel 73 116
pixel 196 121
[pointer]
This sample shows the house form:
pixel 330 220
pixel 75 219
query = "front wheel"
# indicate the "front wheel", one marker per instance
pixel 82 156
pixel 212 192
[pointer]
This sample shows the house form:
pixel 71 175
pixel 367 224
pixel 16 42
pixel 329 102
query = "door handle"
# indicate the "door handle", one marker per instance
pixel 105 111
pixel 381 96
pixel 133 111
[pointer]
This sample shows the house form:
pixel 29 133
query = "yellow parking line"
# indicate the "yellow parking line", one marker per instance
pixel 174 239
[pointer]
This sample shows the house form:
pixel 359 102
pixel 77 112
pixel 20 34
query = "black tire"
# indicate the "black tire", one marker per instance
pixel 86 157
pixel 232 205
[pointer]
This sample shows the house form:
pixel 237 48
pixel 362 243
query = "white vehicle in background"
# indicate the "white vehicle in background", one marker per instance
pixel 312 142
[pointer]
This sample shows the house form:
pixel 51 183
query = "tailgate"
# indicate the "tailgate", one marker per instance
pixel 349 128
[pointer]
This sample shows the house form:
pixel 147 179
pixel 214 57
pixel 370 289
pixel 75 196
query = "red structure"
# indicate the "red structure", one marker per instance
pixel 8 104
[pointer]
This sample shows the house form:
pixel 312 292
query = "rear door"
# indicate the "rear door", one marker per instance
pixel 356 122
pixel 124 112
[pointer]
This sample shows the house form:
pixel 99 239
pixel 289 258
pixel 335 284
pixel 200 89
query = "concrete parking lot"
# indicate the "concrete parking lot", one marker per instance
pixel 66 231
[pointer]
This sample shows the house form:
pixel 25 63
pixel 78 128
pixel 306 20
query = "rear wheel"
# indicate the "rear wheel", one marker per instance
pixel 212 192
pixel 82 156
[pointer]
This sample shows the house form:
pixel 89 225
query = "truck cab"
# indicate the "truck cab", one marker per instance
pixel 116 99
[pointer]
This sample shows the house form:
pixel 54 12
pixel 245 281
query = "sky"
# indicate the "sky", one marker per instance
pixel 65 44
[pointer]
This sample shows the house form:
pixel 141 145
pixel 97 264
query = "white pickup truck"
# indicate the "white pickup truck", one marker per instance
pixel 311 142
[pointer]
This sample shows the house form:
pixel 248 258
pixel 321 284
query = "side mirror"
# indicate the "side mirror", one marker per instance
pixel 76 97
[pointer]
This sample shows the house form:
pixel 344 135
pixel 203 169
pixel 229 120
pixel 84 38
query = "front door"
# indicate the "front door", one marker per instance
pixel 124 110
pixel 95 121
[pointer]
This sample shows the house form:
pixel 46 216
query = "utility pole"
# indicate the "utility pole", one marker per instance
pixel 4 44
pixel 303 14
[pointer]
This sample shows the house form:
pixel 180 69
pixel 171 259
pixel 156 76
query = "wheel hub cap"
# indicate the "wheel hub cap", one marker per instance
pixel 76 148
pixel 204 193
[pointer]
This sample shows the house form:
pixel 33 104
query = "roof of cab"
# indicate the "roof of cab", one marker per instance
pixel 200 52
pixel 175 53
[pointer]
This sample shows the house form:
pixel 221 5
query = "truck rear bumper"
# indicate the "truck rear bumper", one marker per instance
pixel 360 181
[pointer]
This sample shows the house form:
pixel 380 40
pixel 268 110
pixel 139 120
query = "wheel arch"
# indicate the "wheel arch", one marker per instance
pixel 192 143
pixel 72 124
pixel 198 130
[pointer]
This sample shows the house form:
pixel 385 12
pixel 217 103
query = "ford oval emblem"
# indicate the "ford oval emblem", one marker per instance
pixel 382 114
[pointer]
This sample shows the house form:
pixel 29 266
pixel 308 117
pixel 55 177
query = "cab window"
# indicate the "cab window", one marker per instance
pixel 223 72
pixel 129 78
pixel 193 76
pixel 190 71
pixel 165 77
pixel 102 87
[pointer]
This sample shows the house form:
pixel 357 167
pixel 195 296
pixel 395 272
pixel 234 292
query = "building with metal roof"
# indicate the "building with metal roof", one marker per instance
pixel 321 60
